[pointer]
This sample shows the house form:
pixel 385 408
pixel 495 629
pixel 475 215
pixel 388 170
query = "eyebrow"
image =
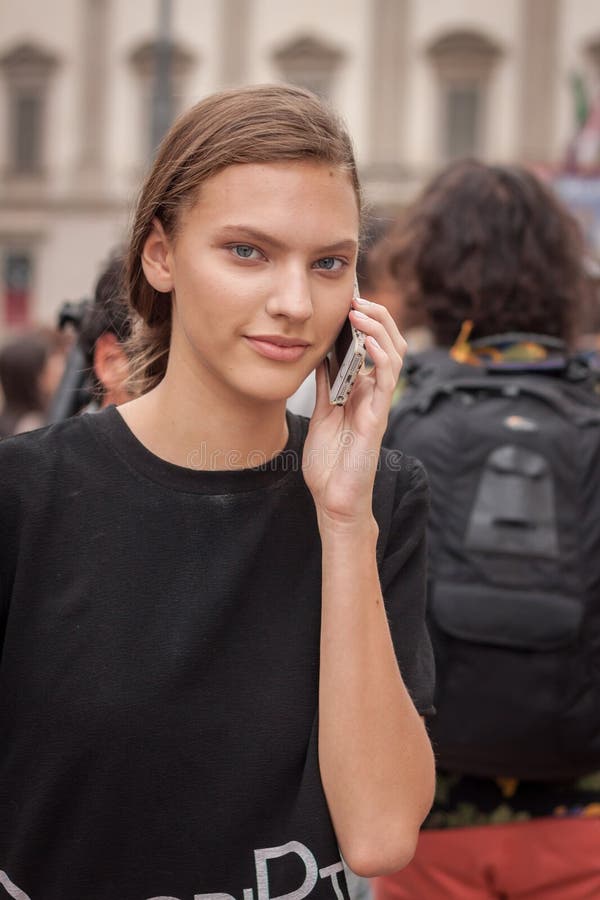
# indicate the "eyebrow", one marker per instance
pixel 346 245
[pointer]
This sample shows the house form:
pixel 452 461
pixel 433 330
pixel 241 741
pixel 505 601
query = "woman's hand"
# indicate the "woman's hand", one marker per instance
pixel 342 446
pixel 375 758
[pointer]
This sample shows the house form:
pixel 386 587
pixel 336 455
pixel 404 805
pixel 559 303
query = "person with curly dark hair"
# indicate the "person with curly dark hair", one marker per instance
pixel 493 245
pixel 506 419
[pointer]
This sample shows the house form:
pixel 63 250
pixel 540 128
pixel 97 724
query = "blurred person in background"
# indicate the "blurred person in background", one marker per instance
pixel 97 368
pixel 378 282
pixel 31 366
pixel 589 338
pixel 104 332
pixel 506 419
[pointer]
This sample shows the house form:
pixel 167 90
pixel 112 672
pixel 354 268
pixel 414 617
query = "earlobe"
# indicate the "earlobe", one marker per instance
pixel 156 259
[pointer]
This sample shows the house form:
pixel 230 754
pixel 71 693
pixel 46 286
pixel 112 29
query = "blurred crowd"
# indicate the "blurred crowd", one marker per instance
pixel 38 386
pixel 33 360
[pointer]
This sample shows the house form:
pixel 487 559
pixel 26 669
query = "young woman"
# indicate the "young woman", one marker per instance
pixel 214 660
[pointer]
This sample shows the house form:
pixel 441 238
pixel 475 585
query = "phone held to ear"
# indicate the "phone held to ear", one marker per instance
pixel 345 360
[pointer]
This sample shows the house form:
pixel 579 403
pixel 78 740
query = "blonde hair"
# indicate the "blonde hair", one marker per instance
pixel 258 124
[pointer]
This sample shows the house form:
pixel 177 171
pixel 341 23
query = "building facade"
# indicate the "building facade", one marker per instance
pixel 419 82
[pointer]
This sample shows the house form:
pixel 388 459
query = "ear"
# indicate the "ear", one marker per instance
pixel 110 362
pixel 157 259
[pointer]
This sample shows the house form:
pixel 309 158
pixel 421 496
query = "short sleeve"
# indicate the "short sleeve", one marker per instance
pixel 403 575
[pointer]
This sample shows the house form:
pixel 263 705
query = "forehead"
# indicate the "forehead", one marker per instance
pixel 288 196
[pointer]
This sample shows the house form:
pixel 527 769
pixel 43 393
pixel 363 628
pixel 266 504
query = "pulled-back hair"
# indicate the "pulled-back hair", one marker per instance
pixel 258 124
pixel 493 245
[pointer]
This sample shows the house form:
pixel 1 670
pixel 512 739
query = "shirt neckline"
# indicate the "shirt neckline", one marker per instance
pixel 113 429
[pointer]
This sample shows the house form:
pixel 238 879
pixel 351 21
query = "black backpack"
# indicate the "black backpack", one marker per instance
pixel 513 458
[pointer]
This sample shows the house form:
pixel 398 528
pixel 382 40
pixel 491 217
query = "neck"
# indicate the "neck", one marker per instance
pixel 191 425
pixel 114 398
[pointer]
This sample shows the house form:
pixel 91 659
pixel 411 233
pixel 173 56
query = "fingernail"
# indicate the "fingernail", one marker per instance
pixel 374 342
pixel 359 315
pixel 362 301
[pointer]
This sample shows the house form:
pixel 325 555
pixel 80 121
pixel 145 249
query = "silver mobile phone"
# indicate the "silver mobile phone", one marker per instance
pixel 345 360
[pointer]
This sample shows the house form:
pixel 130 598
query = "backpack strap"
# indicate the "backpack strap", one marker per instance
pixel 510 338
pixel 546 391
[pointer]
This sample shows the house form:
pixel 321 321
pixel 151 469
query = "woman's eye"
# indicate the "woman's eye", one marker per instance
pixel 329 263
pixel 244 251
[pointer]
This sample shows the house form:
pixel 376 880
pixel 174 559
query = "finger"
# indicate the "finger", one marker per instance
pixel 322 405
pixel 377 313
pixel 377 330
pixel 384 377
pixel 381 314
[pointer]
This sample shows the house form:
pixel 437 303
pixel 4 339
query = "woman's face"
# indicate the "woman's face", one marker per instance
pixel 262 270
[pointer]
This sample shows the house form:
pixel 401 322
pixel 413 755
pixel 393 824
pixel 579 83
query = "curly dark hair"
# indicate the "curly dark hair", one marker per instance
pixel 494 245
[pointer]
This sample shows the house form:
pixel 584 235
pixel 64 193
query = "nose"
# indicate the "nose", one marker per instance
pixel 291 295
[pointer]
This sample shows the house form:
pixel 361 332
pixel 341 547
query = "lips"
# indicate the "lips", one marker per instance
pixel 278 347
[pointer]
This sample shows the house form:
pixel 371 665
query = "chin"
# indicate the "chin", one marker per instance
pixel 273 390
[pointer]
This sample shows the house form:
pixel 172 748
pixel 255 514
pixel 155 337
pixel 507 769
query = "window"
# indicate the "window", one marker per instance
pixel 593 56
pixel 27 70
pixel 463 63
pixel 159 102
pixel 27 124
pixel 310 64
pixel 462 123
pixel 17 287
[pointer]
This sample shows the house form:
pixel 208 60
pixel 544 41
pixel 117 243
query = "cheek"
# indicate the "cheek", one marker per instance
pixel 330 322
pixel 210 316
pixel 210 290
pixel 52 374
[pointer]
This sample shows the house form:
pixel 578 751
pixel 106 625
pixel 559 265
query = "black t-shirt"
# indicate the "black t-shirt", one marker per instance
pixel 159 667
